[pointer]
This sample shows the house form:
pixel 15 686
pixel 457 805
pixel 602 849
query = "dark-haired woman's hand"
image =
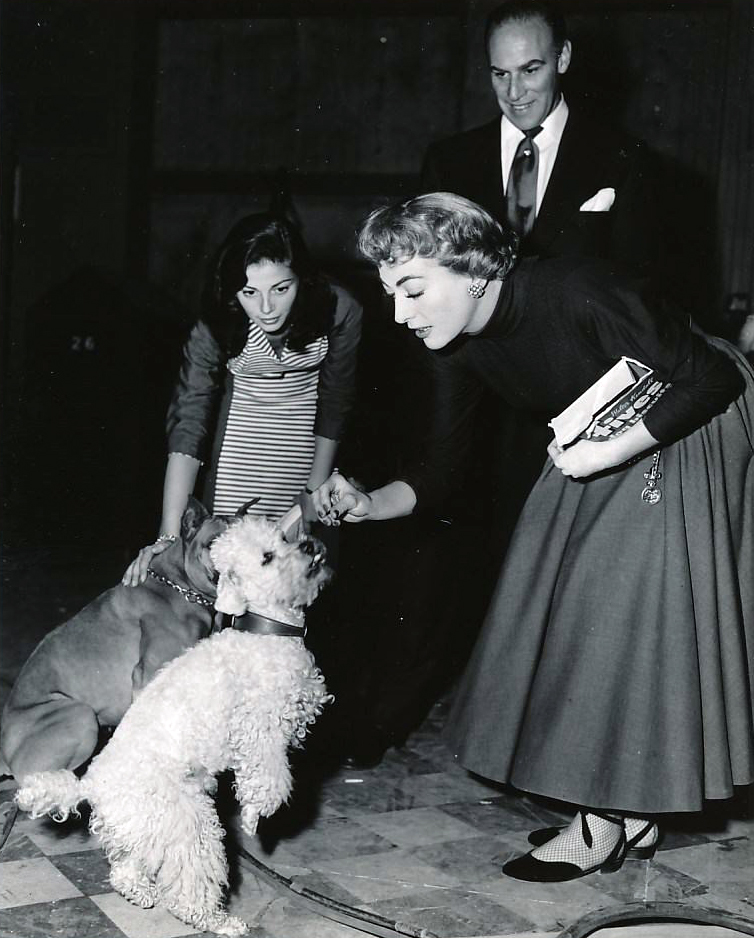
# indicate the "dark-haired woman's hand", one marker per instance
pixel 136 572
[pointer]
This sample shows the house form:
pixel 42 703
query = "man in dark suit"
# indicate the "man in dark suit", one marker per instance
pixel 594 186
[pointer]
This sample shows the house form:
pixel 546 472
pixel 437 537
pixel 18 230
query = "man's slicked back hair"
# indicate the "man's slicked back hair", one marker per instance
pixel 516 11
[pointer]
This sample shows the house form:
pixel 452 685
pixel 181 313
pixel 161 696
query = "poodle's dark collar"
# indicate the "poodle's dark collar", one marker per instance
pixel 262 625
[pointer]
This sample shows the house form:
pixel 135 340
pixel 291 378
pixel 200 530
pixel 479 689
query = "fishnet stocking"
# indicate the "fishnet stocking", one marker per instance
pixel 635 824
pixel 569 845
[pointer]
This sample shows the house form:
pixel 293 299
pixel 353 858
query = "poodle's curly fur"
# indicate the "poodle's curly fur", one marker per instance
pixel 234 701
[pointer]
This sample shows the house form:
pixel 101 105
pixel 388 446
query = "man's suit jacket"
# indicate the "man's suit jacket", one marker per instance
pixel 590 157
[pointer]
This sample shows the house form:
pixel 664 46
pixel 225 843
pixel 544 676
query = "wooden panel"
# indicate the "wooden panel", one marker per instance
pixel 317 94
pixel 225 95
pixel 66 88
pixel 375 91
pixel 656 73
pixel 735 208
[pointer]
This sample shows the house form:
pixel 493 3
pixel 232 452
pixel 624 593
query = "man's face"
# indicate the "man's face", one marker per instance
pixel 526 69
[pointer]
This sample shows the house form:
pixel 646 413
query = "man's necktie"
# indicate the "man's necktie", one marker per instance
pixel 521 197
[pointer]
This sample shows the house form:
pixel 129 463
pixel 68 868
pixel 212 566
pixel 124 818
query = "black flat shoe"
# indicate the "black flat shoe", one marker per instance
pixel 532 870
pixel 545 834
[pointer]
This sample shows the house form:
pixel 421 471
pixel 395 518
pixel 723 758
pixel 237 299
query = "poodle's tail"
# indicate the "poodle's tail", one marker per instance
pixel 55 793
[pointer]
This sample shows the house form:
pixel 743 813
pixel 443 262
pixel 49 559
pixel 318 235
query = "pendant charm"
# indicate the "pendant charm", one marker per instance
pixel 651 493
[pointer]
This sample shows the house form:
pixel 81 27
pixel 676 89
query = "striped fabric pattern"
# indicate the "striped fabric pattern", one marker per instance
pixel 268 445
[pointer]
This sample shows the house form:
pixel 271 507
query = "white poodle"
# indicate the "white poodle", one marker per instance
pixel 234 701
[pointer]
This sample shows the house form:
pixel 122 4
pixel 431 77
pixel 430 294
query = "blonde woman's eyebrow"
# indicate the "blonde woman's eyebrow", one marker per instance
pixel 407 277
pixel 400 282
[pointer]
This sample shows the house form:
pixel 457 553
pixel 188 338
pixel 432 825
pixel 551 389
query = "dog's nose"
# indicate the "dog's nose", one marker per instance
pixel 312 548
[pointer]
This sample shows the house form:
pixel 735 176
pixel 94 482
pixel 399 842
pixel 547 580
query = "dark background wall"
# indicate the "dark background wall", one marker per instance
pixel 134 133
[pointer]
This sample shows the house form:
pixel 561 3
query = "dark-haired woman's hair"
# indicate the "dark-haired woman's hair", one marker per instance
pixel 256 239
pixel 448 228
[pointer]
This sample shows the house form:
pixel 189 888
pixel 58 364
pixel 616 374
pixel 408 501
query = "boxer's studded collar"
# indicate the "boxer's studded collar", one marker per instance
pixel 191 596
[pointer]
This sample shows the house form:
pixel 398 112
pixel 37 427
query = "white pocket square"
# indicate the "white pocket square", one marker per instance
pixel 601 202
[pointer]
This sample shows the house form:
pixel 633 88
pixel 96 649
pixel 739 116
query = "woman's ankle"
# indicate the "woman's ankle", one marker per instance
pixel 586 841
pixel 643 826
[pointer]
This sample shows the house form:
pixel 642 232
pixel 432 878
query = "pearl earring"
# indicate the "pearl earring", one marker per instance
pixel 476 289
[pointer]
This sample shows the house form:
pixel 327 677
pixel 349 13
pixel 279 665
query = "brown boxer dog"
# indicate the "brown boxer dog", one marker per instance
pixel 84 675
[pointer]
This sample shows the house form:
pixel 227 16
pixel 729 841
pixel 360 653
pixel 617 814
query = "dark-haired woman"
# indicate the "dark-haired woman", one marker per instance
pixel 266 384
pixel 615 667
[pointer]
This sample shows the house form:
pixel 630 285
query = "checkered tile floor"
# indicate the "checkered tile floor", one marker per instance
pixel 416 840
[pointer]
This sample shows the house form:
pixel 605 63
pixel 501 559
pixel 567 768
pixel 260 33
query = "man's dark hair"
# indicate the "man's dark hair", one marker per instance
pixel 518 10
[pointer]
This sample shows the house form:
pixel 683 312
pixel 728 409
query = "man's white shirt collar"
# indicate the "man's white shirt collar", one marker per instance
pixel 547 140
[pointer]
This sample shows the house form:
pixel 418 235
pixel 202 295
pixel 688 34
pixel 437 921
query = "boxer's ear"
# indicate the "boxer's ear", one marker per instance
pixel 245 507
pixel 193 518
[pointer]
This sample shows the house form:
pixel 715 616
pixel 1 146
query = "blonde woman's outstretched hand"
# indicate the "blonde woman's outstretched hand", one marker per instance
pixel 338 500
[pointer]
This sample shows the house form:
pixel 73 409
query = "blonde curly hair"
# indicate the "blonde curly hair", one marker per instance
pixel 448 228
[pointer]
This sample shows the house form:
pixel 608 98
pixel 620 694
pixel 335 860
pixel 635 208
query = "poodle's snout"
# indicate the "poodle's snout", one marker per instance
pixel 314 549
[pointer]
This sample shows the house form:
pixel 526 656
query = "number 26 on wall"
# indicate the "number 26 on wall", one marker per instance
pixel 82 343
